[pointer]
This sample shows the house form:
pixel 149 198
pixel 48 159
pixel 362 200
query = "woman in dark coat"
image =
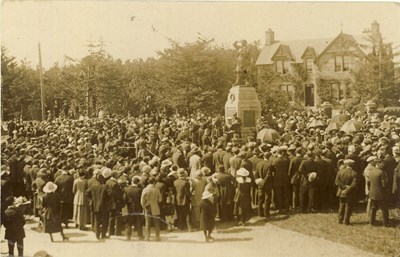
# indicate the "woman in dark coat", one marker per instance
pixel 51 213
pixel 243 197
pixel 208 211
pixel 14 223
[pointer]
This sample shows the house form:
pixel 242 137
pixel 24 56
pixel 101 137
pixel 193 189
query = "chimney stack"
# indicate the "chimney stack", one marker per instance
pixel 375 30
pixel 269 37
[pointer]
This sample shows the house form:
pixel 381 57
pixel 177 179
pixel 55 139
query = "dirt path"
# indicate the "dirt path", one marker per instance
pixel 258 239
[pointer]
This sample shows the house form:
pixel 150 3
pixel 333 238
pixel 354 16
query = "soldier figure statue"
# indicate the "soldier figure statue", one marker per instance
pixel 243 72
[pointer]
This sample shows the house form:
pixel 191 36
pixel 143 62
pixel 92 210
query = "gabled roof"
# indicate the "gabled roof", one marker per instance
pixel 343 38
pixel 297 49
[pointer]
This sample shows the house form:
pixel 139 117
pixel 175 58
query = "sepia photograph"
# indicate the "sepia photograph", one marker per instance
pixel 200 128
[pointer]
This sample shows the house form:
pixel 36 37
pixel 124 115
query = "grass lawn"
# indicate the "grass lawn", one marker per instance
pixel 378 239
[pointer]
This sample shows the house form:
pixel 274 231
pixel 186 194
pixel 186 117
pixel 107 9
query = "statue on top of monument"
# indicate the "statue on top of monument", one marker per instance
pixel 243 67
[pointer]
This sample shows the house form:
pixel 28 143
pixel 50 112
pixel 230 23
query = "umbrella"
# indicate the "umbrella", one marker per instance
pixel 352 126
pixel 340 118
pixel 315 123
pixel 268 135
pixel 333 126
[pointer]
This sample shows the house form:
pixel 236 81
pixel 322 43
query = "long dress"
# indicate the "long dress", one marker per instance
pixel 243 198
pixel 208 211
pixel 81 204
pixel 51 214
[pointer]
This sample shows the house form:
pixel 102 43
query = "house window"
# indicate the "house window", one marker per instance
pixel 309 65
pixel 342 91
pixel 342 63
pixel 279 67
pixel 338 63
pixel 289 90
pixel 282 67
pixel 346 63
pixel 338 91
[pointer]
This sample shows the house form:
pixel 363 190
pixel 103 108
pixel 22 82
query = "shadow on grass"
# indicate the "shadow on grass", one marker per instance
pixel 81 242
pixel 234 230
pixel 216 240
pixel 70 235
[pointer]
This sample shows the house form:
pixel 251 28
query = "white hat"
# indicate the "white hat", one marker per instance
pixel 166 163
pixel 205 170
pixel 396 150
pixel 348 161
pixel 106 172
pixel 260 182
pixel 206 194
pixel 242 172
pixel 312 176
pixel 50 187
pixel 371 158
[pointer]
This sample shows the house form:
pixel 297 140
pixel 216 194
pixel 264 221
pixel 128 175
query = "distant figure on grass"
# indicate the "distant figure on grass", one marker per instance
pixel 346 181
pixel 208 211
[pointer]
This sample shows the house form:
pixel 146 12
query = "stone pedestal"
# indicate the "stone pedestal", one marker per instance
pixel 243 101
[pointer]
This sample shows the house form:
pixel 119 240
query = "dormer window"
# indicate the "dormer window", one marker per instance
pixel 282 66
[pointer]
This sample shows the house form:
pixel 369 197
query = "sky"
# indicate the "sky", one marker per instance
pixel 139 29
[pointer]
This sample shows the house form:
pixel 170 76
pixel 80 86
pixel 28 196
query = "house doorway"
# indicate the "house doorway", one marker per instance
pixel 309 95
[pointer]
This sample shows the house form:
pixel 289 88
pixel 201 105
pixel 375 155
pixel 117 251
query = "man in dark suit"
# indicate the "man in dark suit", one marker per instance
pixel 295 176
pixel 92 182
pixel 115 204
pixel 226 194
pixel 359 168
pixel 182 199
pixel 64 184
pixel 346 181
pixel 263 178
pixel 307 185
pixel 236 161
pixel 100 196
pixel 207 159
pixel 132 197
pixel 228 155
pixel 218 156
pixel 377 184
pixel 281 182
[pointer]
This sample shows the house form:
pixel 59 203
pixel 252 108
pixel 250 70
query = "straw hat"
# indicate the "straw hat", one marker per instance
pixel 106 172
pixel 206 194
pixel 242 172
pixel 50 187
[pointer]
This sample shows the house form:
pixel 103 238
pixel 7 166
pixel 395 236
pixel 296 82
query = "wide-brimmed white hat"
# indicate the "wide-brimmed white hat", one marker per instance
pixel 166 163
pixel 242 172
pixel 50 187
pixel 106 172
pixel 206 194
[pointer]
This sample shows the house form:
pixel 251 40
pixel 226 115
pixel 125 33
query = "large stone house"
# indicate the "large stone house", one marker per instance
pixel 302 65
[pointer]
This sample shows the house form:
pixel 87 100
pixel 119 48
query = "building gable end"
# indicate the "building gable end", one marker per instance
pixel 283 52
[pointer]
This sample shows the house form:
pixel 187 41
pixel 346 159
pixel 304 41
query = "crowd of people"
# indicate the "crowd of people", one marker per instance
pixel 110 174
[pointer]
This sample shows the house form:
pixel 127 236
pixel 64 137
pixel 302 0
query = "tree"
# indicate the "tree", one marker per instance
pixel 20 89
pixel 375 78
pixel 197 75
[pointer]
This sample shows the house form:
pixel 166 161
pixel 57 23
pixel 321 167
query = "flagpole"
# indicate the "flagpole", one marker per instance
pixel 41 84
